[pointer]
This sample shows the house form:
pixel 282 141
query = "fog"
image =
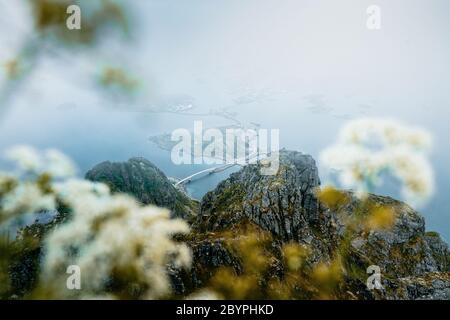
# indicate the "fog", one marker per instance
pixel 303 67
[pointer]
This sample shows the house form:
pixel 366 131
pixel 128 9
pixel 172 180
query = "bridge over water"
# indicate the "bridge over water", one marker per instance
pixel 218 169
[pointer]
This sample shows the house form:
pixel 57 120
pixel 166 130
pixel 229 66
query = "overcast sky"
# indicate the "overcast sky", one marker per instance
pixel 302 66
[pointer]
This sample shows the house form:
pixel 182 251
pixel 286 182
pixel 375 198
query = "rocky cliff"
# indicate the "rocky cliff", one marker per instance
pixel 284 210
pixel 142 179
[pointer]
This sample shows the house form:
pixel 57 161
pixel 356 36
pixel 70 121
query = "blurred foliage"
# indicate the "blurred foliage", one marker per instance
pixel 50 19
pixel 269 269
pixel 83 231
pixel 380 218
pixel 369 150
pixel 100 20
pixel 5 259
pixel 117 80
pixel 332 198
pixel 12 69
pixel 20 253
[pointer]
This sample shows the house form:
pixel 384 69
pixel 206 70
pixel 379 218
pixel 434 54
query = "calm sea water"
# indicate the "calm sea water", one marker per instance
pixel 118 136
pixel 303 67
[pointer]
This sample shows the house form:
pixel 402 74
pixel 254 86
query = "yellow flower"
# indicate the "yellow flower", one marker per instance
pixel 332 198
pixel 380 218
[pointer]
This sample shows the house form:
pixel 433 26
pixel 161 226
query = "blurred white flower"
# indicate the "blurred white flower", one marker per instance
pixel 26 198
pixel 387 132
pixel 4 179
pixel 367 148
pixel 108 236
pixel 415 173
pixel 27 158
pixel 204 294
pixel 114 235
pixel 50 161
pixel 74 188
pixel 58 164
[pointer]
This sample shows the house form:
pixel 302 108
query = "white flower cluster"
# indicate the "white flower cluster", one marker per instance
pixel 22 191
pixel 26 197
pixel 367 148
pixel 114 234
pixel 51 161
pixel 107 235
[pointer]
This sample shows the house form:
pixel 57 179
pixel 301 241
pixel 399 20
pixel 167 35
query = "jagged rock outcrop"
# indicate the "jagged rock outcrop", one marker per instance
pixel 430 286
pixel 405 249
pixel 414 264
pixel 140 178
pixel 284 204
